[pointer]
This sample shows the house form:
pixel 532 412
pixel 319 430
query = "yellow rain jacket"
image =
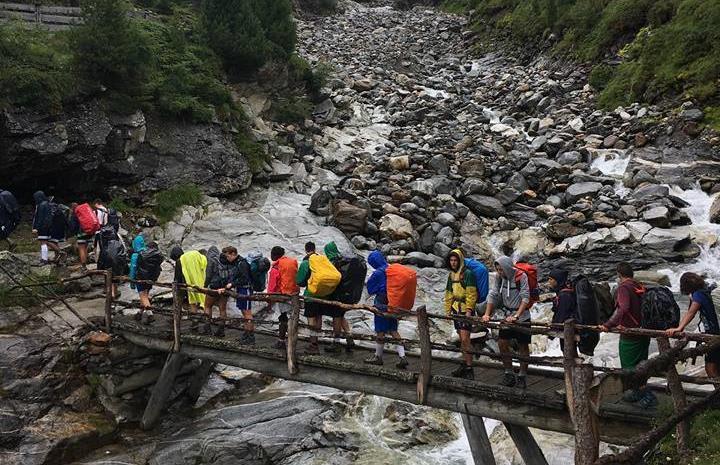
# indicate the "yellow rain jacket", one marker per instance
pixel 461 291
pixel 193 267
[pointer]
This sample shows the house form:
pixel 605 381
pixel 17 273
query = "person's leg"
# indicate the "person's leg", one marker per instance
pixel 466 346
pixel 504 346
pixel 249 325
pixel 402 363
pixel 53 245
pixel 144 299
pixel 711 369
pixel 82 254
pixel 44 256
pixel 337 331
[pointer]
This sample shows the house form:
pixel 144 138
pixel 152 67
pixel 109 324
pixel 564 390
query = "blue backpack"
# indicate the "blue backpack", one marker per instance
pixel 482 278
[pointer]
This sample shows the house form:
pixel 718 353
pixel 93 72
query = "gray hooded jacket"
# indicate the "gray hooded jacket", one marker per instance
pixel 507 295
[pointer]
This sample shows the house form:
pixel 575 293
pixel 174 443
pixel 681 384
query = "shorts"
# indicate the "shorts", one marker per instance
pixel 386 325
pixel 633 350
pixel 83 238
pixel 312 309
pixel 141 287
pixel 520 337
pixel 332 311
pixel 713 356
pixel 242 304
pixel 463 325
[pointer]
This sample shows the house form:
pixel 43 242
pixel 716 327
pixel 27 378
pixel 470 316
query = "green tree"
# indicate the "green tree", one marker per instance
pixel 277 21
pixel 110 49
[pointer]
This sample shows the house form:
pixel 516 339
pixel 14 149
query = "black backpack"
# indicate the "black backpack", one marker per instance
pixel 587 312
pixel 113 219
pixel 9 213
pixel 353 271
pixel 150 264
pixel 659 309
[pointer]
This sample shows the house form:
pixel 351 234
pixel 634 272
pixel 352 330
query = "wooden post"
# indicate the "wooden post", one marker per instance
pixel 480 446
pixel 578 382
pixel 177 316
pixel 678 396
pixel 108 300
pixel 198 380
pixel 161 391
pixel 526 444
pixel 293 327
pixel 423 327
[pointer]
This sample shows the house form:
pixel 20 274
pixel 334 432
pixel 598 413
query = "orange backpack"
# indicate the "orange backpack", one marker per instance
pixel 531 272
pixel 288 268
pixel 401 286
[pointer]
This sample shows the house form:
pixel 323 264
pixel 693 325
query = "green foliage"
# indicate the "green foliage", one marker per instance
pixel 169 202
pixel 254 152
pixel 712 117
pixel 248 33
pixel 110 49
pixel 187 80
pixel 314 79
pixel 291 109
pixel 704 441
pixel 120 205
pixel 671 46
pixel 600 76
pixel 34 67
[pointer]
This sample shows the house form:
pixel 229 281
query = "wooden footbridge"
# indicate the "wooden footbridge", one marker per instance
pixel 563 394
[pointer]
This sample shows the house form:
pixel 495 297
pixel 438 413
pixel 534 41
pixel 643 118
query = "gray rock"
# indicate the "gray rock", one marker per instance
pixel 280 171
pixel 650 192
pixel 419 259
pixel 441 250
pixel 483 205
pixel 569 158
pixel 396 227
pixel 715 211
pixel 582 189
pixel 474 168
pixel 445 219
pixel 446 236
pixel 692 114
pixel 508 196
pixel 320 201
pixel 348 218
pixel 439 164
pixel 658 217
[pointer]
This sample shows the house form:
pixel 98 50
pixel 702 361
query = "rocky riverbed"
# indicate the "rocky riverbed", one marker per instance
pixel 418 146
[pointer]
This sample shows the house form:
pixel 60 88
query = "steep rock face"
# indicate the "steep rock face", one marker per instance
pixel 87 150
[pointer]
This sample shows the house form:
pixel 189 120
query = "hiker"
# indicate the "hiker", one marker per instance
pixel 249 278
pixel 628 314
pixel 221 276
pixel 460 300
pixel 511 295
pixel 193 267
pixel 353 271
pixel 143 289
pixel 101 213
pixel 282 281
pixel 42 226
pixel 112 255
pixel 377 286
pixel 319 278
pixel 175 253
pixel 693 285
pixel 565 303
pixel 58 231
pixel 9 216
pixel 86 225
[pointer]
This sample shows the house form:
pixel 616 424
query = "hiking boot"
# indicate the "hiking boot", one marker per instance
pixel 508 380
pixel 83 269
pixel 521 382
pixel 631 396
pixel 374 360
pixel 312 349
pixel 462 372
pixel 349 344
pixel 648 400
pixel 333 348
pixel 280 345
pixel 205 329
pixel 42 262
pixel 219 331
pixel 247 339
pixel 402 363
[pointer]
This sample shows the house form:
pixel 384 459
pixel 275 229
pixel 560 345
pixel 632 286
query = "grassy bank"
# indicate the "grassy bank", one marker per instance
pixel 668 48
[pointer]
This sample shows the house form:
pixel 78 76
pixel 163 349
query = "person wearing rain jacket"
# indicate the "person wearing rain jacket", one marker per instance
pixel 193 266
pixel 282 281
pixel 222 274
pixel 42 226
pixel 377 286
pixel 340 324
pixel 565 303
pixel 511 295
pixel 460 299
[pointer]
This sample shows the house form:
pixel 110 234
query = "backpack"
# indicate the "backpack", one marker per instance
pixel 715 297
pixel 150 264
pixel 259 267
pixel 605 301
pixel 587 312
pixel 324 277
pixel 87 219
pixel 113 218
pixel 531 272
pixel 9 214
pixel 659 309
pixel 353 271
pixel 482 279
pixel 107 233
pixel 401 286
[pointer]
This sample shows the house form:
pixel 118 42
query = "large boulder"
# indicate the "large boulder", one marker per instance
pixel 348 218
pixel 715 211
pixel 483 205
pixel 396 227
pixel 658 217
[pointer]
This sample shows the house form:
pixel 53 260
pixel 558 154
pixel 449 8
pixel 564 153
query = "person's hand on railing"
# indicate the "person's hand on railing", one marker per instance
pixel 486 318
pixel 603 328
pixel 511 319
pixel 673 331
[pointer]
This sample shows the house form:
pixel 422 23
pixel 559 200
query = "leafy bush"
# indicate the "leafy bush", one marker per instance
pixel 169 202
pixel 291 109
pixel 110 49
pixel 247 33
pixel 35 67
pixel 704 441
pixel 313 79
pixel 254 152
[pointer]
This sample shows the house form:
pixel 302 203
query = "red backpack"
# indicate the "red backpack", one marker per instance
pixel 89 223
pixel 531 272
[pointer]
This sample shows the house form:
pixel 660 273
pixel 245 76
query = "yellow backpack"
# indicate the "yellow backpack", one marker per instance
pixel 324 277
